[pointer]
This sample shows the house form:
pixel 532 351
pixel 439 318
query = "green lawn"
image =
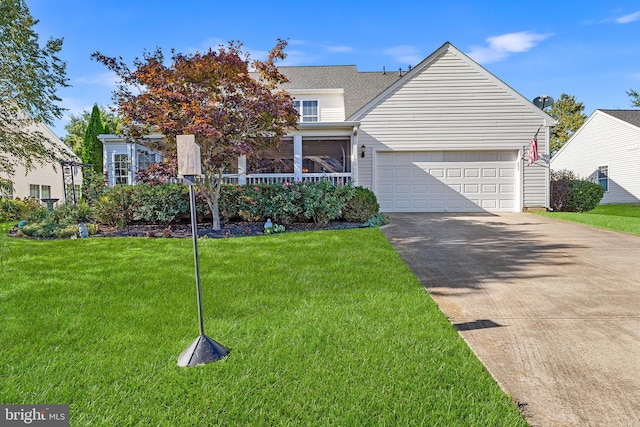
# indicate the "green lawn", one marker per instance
pixel 325 328
pixel 625 217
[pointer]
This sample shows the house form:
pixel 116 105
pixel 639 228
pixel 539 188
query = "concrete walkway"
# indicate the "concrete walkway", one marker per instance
pixel 551 308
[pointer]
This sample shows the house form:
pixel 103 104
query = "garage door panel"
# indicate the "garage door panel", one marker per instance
pixel 402 188
pixel 446 181
pixel 471 173
pixel 437 173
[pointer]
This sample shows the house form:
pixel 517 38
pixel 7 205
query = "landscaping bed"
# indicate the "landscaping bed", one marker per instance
pixel 234 229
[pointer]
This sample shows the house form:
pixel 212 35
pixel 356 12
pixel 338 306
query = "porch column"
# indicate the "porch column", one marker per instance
pixel 355 156
pixel 242 170
pixel 297 158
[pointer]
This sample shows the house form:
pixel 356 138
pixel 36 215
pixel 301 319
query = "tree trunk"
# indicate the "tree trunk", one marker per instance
pixel 214 205
pixel 215 213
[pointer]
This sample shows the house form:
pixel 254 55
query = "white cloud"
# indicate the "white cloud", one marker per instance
pixel 500 47
pixel 339 49
pixel 107 79
pixel 406 54
pixel 628 18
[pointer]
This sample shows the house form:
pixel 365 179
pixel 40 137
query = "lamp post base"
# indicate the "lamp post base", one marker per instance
pixel 202 351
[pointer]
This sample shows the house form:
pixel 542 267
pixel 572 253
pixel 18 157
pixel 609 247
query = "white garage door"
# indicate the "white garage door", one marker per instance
pixel 446 181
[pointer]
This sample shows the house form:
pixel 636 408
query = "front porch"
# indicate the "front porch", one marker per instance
pixel 313 152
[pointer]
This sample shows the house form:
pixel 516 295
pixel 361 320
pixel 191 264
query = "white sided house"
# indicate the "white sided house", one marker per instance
pixel 46 182
pixel 445 136
pixel 606 150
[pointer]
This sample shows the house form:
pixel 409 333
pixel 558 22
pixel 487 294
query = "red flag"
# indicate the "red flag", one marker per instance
pixel 533 151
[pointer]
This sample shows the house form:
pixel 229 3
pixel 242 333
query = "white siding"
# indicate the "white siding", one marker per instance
pixel 450 105
pixel 330 102
pixel 46 174
pixel 604 140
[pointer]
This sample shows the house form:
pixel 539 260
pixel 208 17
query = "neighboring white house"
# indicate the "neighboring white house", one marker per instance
pixel 46 181
pixel 606 150
pixel 447 135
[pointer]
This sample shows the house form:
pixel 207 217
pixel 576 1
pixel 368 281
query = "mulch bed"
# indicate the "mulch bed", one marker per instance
pixel 239 229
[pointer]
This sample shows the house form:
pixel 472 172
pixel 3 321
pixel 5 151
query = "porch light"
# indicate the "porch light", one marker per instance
pixel 362 148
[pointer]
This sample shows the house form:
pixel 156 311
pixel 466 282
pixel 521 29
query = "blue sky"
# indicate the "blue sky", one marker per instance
pixel 588 49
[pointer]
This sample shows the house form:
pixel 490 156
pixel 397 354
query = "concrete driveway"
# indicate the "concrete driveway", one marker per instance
pixel 551 308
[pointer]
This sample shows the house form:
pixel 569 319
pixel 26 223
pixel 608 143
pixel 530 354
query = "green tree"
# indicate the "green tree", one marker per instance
pixel 210 95
pixel 635 97
pixel 30 75
pixel 570 117
pixel 77 127
pixel 92 146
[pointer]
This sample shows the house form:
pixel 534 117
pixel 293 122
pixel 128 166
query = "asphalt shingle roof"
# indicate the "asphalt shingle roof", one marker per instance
pixel 629 116
pixel 359 87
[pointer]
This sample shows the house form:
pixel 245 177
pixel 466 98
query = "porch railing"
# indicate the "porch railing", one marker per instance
pixel 273 178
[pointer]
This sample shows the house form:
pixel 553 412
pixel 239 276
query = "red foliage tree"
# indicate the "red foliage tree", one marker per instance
pixel 210 95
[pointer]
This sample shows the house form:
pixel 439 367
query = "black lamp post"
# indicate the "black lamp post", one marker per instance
pixel 203 350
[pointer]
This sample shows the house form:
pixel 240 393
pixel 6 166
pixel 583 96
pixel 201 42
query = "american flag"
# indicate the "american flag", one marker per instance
pixel 533 151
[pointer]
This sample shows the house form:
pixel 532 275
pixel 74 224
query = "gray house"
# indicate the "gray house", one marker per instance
pixel 444 136
pixel 606 150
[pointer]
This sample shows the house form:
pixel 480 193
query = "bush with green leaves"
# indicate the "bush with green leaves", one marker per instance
pixel 570 194
pixel 584 196
pixel 16 209
pixel 362 206
pixel 324 202
pixel 115 206
pixel 377 220
pixel 285 203
pixel 160 204
pixel 61 222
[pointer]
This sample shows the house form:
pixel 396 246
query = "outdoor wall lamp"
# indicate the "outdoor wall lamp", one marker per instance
pixel 362 150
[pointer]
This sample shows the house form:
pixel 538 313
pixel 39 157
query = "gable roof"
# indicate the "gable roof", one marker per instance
pixel 448 47
pixel 359 87
pixel 624 117
pixel 629 116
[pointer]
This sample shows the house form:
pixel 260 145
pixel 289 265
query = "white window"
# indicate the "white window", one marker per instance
pixel 45 191
pixel 603 177
pixel 34 191
pixel 307 109
pixel 121 169
pixel 145 159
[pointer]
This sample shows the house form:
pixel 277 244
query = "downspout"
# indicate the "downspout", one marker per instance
pixel 547 170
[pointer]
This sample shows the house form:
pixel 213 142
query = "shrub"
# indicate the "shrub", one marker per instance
pixel 16 209
pixel 376 220
pixel 362 206
pixel 50 229
pixel 162 204
pixel 324 202
pixel 284 203
pixel 584 196
pixel 115 206
pixel 570 194
pixel 560 188
pixel 68 213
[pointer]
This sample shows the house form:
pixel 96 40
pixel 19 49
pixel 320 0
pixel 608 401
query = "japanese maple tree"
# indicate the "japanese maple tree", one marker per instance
pixel 231 104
